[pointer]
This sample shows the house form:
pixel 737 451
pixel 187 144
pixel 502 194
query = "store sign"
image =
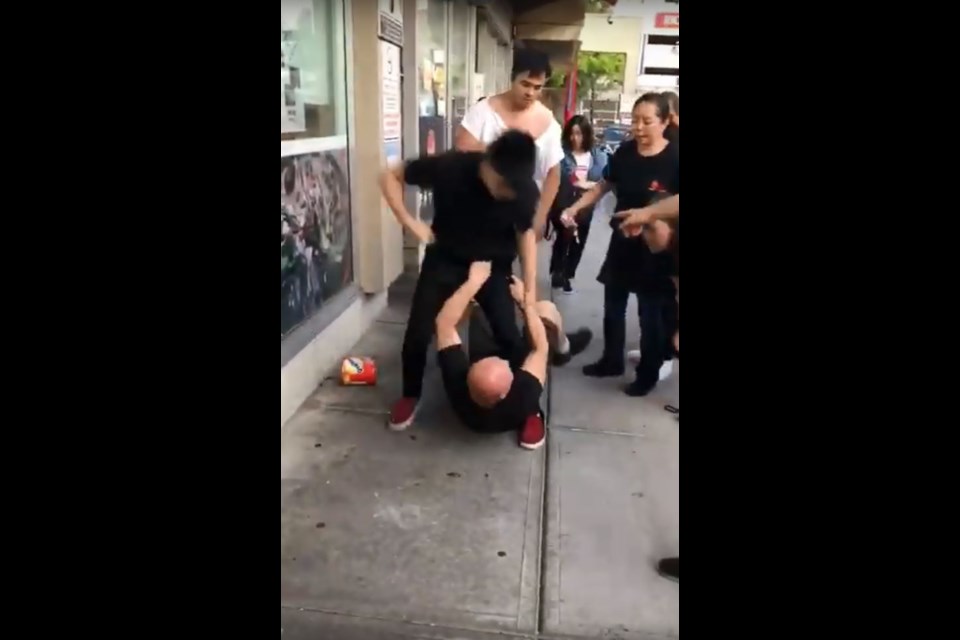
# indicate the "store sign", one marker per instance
pixel 390 28
pixel 390 92
pixel 667 21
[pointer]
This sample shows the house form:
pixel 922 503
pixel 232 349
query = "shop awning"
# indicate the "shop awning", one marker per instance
pixel 552 26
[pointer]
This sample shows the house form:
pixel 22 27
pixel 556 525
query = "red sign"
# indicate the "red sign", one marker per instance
pixel 668 21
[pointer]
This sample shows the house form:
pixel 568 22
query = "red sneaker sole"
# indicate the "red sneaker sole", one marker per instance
pixel 401 426
pixel 533 447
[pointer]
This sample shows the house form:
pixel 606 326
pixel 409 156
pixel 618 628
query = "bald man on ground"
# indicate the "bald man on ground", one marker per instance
pixel 486 393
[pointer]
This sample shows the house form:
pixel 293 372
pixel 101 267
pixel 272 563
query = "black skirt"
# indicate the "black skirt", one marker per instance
pixel 631 265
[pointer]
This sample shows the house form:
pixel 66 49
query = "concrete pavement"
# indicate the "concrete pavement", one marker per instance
pixel 441 533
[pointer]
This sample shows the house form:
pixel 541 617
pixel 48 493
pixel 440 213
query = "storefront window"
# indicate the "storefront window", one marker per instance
pixel 312 68
pixel 459 61
pixel 486 55
pixel 504 66
pixel 316 258
pixel 432 74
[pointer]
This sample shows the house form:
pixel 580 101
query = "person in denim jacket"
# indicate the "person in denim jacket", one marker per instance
pixel 581 168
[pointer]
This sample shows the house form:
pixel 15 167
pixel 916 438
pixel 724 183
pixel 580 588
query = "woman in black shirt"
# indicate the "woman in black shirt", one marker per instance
pixel 642 170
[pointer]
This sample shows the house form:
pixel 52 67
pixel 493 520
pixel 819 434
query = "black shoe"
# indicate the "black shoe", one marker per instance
pixel 669 568
pixel 556 281
pixel 567 288
pixel 639 388
pixel 604 369
pixel 578 341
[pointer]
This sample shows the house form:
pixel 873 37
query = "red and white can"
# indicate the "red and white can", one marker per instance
pixel 358 370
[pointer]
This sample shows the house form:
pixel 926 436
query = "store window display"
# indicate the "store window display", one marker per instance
pixel 316 260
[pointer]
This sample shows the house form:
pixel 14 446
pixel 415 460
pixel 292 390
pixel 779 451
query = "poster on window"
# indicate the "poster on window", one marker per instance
pixel 296 25
pixel 316 257
pixel 292 111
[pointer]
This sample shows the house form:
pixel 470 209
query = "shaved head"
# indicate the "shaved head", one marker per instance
pixel 489 381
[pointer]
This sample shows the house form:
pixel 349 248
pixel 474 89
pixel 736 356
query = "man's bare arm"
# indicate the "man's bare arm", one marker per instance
pixel 633 219
pixel 391 185
pixel 453 309
pixel 551 184
pixel 589 198
pixel 536 362
pixel 666 209
pixel 527 248
pixel 464 141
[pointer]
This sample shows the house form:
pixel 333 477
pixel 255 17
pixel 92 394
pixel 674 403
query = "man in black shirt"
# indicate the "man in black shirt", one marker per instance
pixel 486 393
pixel 484 205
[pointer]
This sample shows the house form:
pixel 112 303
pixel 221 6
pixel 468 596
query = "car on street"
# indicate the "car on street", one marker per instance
pixel 612 136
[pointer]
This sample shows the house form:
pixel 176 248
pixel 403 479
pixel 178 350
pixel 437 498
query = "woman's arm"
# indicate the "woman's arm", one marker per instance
pixel 666 209
pixel 588 199
pixel 610 176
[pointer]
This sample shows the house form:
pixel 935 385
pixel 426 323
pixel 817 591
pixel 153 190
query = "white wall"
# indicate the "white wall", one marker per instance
pixel 304 373
pixel 623 35
pixel 652 55
pixel 656 83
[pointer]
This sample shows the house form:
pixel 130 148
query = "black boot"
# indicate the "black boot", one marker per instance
pixel 669 568
pixel 604 369
pixel 641 386
pixel 577 342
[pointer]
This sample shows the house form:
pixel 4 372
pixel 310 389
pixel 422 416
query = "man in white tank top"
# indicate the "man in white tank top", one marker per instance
pixel 520 108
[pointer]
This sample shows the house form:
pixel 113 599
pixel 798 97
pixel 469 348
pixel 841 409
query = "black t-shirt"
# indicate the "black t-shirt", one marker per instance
pixel 521 402
pixel 468 223
pixel 640 181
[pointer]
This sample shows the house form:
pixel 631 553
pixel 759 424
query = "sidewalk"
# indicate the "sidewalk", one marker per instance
pixel 441 533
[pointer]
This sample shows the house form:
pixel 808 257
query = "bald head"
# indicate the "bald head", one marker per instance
pixel 489 381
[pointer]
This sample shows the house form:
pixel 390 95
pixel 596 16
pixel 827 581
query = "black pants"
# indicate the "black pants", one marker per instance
pixel 567 251
pixel 439 278
pixel 658 323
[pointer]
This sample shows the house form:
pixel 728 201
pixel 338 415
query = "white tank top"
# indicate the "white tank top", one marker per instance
pixel 486 125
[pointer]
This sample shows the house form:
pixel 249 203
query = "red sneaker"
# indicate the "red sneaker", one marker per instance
pixel 402 413
pixel 533 434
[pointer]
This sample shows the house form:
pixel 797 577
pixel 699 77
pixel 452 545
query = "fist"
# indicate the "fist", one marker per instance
pixel 423 232
pixel 657 235
pixel 479 272
pixel 632 221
